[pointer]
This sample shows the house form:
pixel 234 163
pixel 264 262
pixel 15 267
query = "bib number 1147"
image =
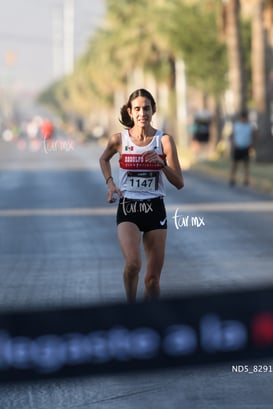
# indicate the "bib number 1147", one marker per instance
pixel 142 181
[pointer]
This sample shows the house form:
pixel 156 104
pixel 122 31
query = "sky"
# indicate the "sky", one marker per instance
pixel 32 40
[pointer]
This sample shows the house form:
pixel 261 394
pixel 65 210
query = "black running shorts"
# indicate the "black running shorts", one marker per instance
pixel 240 154
pixel 148 214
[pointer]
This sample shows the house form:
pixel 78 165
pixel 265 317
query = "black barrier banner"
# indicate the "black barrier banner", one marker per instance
pixel 181 331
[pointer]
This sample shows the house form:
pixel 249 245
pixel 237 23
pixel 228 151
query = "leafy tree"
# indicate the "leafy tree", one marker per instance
pixel 261 56
pixel 233 37
pixel 193 33
pixel 149 36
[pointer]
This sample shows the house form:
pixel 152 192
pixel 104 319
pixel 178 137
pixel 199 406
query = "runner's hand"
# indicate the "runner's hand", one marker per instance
pixel 152 156
pixel 113 190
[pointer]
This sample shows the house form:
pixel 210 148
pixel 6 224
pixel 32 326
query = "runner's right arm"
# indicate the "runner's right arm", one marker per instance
pixel 111 149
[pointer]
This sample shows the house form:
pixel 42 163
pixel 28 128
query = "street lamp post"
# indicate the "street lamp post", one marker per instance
pixel 69 23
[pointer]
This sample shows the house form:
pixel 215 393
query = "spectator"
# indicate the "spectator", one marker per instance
pixel 242 139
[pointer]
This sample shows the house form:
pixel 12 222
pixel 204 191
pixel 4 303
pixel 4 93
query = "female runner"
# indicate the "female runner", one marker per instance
pixel 145 154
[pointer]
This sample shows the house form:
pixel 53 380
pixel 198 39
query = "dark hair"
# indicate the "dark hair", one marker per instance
pixel 244 114
pixel 125 117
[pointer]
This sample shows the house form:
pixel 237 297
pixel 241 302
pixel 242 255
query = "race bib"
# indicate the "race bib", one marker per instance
pixel 142 181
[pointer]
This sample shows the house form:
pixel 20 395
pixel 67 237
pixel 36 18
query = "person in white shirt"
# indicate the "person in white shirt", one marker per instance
pixel 145 155
pixel 242 139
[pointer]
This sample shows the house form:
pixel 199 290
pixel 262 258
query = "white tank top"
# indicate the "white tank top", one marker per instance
pixel 139 179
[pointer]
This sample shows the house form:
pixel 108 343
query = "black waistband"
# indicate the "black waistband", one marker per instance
pixel 154 199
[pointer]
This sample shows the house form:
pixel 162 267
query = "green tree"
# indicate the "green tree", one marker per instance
pixel 233 36
pixel 261 64
pixel 193 33
pixel 149 37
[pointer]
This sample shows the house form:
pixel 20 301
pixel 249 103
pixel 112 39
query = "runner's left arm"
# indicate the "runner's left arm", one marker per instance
pixel 172 170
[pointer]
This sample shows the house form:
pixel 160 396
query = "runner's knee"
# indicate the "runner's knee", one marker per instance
pixel 132 268
pixel 152 282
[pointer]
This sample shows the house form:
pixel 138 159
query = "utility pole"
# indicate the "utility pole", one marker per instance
pixel 69 23
pixel 181 103
pixel 57 42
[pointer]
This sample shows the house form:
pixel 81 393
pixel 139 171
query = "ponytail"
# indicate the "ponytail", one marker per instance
pixel 125 117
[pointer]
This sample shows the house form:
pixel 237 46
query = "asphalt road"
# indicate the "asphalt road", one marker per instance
pixel 58 248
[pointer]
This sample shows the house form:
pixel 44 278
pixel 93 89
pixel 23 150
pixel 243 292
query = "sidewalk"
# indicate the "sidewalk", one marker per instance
pixel 261 174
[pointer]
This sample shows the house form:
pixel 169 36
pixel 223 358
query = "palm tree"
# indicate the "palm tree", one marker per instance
pixel 148 39
pixel 232 33
pixel 260 79
pixel 135 49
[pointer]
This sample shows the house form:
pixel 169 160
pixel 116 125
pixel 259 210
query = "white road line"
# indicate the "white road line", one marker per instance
pixel 262 206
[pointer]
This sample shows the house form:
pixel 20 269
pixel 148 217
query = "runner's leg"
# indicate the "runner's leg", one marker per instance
pixel 154 246
pixel 129 240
